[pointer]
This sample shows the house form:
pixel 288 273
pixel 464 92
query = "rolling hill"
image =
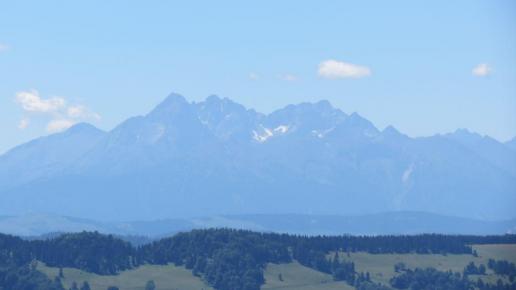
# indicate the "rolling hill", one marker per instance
pixel 390 223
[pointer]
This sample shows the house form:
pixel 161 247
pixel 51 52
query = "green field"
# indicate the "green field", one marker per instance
pixel 293 275
pixel 497 252
pixel 170 277
pixel 296 276
pixel 167 277
pixel 381 266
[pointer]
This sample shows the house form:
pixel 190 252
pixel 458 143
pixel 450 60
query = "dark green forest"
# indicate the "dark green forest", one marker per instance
pixel 236 259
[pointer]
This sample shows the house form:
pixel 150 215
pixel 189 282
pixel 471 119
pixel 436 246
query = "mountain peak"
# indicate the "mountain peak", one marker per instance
pixel 391 133
pixel 355 125
pixel 390 130
pixel 213 99
pixel 465 132
pixel 356 119
pixel 464 135
pixel 174 98
pixel 172 104
pixel 355 116
pixel 83 128
pixel 324 104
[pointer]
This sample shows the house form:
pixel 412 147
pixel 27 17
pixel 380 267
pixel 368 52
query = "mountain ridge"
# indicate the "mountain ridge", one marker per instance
pixel 217 157
pixel 386 223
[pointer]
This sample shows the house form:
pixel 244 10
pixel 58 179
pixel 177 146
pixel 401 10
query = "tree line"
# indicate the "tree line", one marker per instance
pixel 226 258
pixel 431 278
pixel 504 268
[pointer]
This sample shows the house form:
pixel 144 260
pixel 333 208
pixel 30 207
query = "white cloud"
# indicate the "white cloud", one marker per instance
pixel 31 102
pixel 24 123
pixel 254 76
pixel 288 77
pixel 334 69
pixel 482 70
pixel 59 125
pixel 81 112
pixel 3 47
pixel 55 110
pixel 75 111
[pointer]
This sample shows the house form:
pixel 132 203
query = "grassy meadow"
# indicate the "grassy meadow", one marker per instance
pixel 381 266
pixel 167 277
pixel 290 276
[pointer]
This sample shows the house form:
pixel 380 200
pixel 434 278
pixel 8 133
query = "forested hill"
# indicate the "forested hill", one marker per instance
pixel 224 258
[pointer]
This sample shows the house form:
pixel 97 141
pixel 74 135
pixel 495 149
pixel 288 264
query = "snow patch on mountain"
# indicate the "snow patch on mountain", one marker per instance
pixel 407 173
pixel 281 129
pixel 265 133
pixel 322 133
pixel 262 136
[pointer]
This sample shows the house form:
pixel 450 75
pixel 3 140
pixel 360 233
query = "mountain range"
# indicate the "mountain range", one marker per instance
pixel 388 223
pixel 187 159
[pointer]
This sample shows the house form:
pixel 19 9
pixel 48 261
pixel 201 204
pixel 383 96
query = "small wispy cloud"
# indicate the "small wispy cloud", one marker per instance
pixel 288 77
pixel 254 76
pixel 59 125
pixel 482 70
pixel 334 69
pixel 24 123
pixel 81 112
pixel 3 47
pixel 32 102
pixel 61 115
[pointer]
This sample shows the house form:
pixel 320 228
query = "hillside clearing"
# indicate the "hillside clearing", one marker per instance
pixel 166 277
pixel 297 276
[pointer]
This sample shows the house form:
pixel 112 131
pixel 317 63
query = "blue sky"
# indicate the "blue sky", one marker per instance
pixel 424 67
